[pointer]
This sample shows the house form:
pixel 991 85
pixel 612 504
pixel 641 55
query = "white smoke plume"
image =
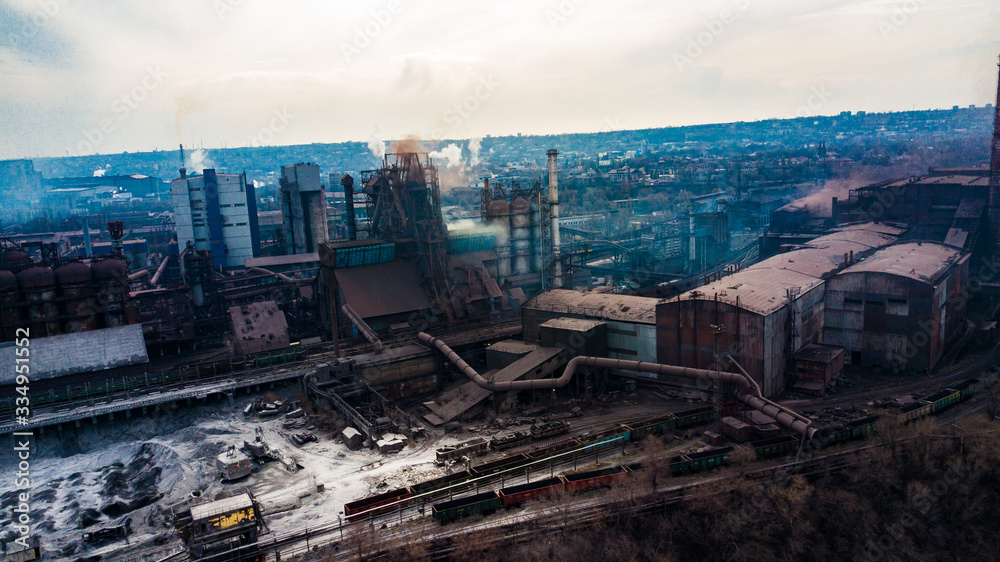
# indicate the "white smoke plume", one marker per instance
pixel 475 143
pixel 452 153
pixel 376 145
pixel 199 160
pixel 99 173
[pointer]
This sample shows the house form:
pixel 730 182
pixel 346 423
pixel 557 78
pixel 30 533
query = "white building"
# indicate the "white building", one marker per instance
pixel 217 212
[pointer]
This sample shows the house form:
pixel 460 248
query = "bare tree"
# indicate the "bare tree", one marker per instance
pixel 992 404
pixel 655 453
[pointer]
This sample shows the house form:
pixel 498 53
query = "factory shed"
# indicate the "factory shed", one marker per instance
pixel 68 354
pixel 764 313
pixel 899 308
pixel 817 366
pixel 631 320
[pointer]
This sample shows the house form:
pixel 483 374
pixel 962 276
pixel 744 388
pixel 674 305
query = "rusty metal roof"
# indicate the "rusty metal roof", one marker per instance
pixel 383 289
pixel 764 287
pixel 819 353
pixel 927 262
pixel 956 179
pixel 623 308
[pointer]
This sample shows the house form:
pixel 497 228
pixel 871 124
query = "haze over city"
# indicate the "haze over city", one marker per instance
pixel 225 72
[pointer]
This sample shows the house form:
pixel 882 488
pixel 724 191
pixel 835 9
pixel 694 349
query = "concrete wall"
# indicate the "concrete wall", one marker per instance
pixel 191 218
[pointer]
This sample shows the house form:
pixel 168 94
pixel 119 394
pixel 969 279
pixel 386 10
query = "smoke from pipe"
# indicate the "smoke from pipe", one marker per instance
pixel 452 153
pixel 199 160
pixel 376 145
pixel 475 144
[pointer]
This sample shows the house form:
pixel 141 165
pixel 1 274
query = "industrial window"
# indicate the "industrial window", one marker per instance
pixel 897 301
pixel 853 301
pixel 876 303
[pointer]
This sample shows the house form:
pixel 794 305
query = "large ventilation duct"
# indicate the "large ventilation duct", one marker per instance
pixel 750 394
pixel 557 280
pixel 363 327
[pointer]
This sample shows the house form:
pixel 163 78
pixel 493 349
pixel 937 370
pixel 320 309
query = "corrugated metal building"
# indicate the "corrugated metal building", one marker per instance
pixel 898 308
pixel 631 321
pixel 217 212
pixel 766 311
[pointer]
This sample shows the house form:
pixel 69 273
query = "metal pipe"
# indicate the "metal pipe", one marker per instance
pixel 159 271
pixel 557 280
pixel 263 271
pixel 750 395
pixel 138 274
pixel 363 327
pixel 88 250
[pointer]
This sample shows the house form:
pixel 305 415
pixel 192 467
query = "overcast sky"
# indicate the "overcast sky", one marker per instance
pixel 236 72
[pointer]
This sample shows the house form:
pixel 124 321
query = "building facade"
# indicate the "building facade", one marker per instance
pixel 303 209
pixel 899 308
pixel 218 213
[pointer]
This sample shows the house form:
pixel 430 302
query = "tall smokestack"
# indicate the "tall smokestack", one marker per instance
pixel 183 169
pixel 88 250
pixel 352 229
pixel 995 173
pixel 557 280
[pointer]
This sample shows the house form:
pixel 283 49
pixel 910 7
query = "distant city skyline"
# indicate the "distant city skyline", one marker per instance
pixel 117 76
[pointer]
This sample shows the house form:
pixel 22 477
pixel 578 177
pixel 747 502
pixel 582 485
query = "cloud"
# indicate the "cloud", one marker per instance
pixel 62 81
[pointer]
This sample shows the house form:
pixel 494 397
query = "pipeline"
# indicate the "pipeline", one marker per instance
pixel 159 271
pixel 363 327
pixel 750 395
pixel 263 271
pixel 138 275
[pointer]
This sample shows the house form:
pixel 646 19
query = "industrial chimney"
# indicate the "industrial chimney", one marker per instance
pixel 183 170
pixel 557 280
pixel 352 228
pixel 994 199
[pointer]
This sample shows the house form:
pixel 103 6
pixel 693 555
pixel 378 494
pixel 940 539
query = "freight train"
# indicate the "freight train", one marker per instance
pixel 394 499
pixel 682 464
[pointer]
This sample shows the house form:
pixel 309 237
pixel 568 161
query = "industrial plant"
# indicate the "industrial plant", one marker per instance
pixel 307 362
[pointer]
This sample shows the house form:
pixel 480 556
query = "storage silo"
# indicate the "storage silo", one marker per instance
pixel 110 278
pixel 74 280
pixel 538 252
pixel 520 222
pixel 38 291
pixel 15 259
pixel 498 220
pixel 9 314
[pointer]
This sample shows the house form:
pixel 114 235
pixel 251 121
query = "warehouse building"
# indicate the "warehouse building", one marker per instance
pixel 631 320
pixel 764 313
pixel 900 307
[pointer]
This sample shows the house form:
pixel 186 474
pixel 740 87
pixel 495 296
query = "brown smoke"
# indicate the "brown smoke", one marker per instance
pixel 186 105
pixel 409 144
